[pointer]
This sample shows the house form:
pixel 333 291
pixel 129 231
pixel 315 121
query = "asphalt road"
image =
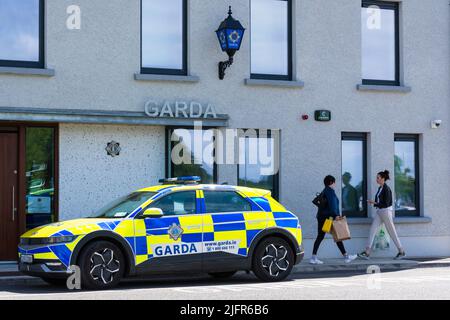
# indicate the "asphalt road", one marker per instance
pixel 427 283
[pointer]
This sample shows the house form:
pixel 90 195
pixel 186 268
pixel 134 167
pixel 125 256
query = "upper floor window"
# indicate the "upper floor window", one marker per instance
pixel 380 43
pixel 22 33
pixel 164 37
pixel 271 39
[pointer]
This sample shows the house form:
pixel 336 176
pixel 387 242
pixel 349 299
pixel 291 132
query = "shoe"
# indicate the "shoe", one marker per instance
pixel 315 261
pixel 400 256
pixel 350 257
pixel 363 255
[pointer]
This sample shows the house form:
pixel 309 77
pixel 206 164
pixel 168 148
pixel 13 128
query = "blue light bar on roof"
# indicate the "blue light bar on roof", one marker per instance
pixel 186 179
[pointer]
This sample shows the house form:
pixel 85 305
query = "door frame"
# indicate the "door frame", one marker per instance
pixel 21 177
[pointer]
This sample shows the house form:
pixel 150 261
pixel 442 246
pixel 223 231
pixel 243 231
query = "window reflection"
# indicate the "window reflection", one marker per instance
pixel 191 154
pixel 162 34
pixel 405 177
pixel 269 37
pixel 258 161
pixel 353 176
pixel 379 47
pixel 40 159
pixel 19 30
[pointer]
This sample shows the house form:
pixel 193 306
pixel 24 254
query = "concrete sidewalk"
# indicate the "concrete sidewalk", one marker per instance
pixel 9 274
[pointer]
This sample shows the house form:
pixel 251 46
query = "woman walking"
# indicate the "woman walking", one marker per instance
pixel 384 214
pixel 331 210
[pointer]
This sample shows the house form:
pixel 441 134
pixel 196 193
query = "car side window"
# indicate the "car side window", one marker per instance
pixel 178 203
pixel 225 201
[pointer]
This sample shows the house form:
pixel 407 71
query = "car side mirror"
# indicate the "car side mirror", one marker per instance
pixel 153 213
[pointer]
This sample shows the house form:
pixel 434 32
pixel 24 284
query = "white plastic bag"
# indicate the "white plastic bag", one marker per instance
pixel 382 240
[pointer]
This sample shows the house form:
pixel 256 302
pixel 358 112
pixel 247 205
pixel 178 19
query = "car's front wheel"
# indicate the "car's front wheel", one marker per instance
pixel 273 259
pixel 102 265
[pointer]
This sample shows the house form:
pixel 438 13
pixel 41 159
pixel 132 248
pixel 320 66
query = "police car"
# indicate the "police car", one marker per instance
pixel 177 226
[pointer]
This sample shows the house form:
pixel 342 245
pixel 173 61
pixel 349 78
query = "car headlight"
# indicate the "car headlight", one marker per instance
pixel 49 240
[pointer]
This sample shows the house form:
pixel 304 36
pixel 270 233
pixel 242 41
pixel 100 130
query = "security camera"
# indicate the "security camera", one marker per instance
pixel 435 124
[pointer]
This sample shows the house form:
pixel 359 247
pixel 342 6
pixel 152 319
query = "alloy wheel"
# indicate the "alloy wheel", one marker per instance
pixel 275 259
pixel 104 266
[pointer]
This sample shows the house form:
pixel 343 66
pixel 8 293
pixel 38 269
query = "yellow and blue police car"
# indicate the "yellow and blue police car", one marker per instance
pixel 177 226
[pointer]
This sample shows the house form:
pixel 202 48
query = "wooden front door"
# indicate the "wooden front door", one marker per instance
pixel 9 220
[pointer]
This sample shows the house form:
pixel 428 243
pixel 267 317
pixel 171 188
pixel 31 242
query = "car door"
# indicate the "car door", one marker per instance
pixel 229 226
pixel 172 242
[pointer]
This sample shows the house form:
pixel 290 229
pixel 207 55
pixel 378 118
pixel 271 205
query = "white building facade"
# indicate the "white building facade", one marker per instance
pixel 76 78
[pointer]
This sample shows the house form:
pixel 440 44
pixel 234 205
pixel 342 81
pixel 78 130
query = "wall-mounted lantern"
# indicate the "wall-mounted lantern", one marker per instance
pixel 230 34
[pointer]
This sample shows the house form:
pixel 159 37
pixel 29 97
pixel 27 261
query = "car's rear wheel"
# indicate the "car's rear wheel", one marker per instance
pixel 102 265
pixel 222 275
pixel 273 259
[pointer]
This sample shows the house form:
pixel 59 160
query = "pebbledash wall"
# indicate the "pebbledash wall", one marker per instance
pixel 95 68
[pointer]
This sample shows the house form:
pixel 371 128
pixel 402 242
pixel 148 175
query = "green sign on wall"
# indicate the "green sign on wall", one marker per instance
pixel 322 115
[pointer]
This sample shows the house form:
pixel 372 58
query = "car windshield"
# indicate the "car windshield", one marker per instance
pixel 122 207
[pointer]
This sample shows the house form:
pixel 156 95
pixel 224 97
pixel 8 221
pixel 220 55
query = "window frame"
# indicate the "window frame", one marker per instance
pixel 226 212
pixel 289 76
pixel 276 177
pixel 411 138
pixel 169 166
pixel 40 64
pixel 151 205
pixel 390 6
pixel 168 71
pixel 358 136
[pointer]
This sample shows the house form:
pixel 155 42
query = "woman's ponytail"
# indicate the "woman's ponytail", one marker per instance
pixel 385 175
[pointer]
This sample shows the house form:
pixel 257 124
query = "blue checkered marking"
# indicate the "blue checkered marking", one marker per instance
pixel 191 237
pixel 109 225
pixel 262 202
pixel 131 241
pixel 286 223
pixel 242 251
pixel 251 234
pixel 233 217
pixel 141 245
pixel 62 233
pixel 208 236
pixel 62 252
pixel 161 223
pixel 281 215
pixel 234 226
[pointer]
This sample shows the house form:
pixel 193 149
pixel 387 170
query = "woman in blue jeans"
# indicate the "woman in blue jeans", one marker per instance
pixel 332 210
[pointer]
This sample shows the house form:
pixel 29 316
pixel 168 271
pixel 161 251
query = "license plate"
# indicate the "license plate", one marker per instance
pixel 26 258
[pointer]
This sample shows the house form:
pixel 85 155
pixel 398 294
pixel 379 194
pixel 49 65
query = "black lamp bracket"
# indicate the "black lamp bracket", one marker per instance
pixel 223 65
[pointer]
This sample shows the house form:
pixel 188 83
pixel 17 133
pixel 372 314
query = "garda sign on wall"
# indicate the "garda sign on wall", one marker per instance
pixel 179 109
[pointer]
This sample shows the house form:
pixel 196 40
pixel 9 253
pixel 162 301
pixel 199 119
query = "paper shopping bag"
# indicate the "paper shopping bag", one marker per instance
pixel 340 230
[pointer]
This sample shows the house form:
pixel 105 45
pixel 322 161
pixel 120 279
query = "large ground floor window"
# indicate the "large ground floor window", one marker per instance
pixel 406 169
pixel 354 174
pixel 259 160
pixel 191 153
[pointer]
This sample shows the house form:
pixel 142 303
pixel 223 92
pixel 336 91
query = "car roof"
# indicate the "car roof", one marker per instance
pixel 249 192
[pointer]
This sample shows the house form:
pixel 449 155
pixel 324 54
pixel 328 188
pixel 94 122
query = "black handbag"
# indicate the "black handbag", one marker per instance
pixel 320 201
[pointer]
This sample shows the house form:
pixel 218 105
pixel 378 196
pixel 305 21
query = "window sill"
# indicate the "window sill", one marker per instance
pixel 27 71
pixel 377 88
pixel 397 220
pixel 163 77
pixel 275 83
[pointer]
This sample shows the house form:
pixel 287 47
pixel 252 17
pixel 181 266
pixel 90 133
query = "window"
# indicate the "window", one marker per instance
pixel 354 174
pixel 123 206
pixel 225 201
pixel 40 207
pixel 22 33
pixel 188 154
pixel 406 170
pixel 164 37
pixel 259 160
pixel 178 203
pixel 271 39
pixel 380 43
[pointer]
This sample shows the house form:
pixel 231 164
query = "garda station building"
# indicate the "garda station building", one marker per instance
pixel 97 99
